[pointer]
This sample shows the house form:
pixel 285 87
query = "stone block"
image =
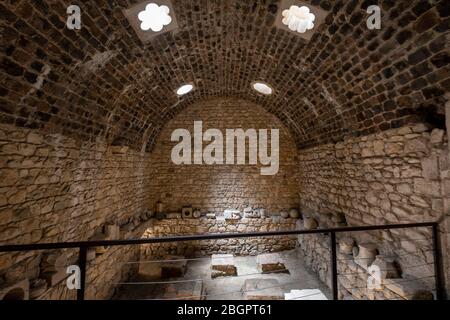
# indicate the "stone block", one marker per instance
pixel 169 267
pixel 231 214
pixel 408 289
pixel 293 213
pixel 221 259
pixel 404 188
pixel 430 168
pixel 428 188
pixel 248 209
pixel 184 291
pixel 197 214
pixel 35 138
pixel 112 231
pixel 306 294
pixel 101 237
pixel 91 254
pixel 271 263
pixel 119 150
pixel 310 223
pixel 366 254
pixel 173 215
pixel 262 289
pixel 386 267
pixel 187 212
pixel 393 148
pixel 252 214
pixel 54 261
pixel 437 136
pixel 346 245
pixel 263 213
pixel 54 278
pixel 173 267
pixel 378 147
pixel 149 270
pixel 417 145
pixel 276 218
pixel 37 288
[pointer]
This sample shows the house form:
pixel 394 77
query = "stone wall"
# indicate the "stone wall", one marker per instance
pixel 398 176
pixel 249 246
pixel 218 187
pixel 445 226
pixel 56 189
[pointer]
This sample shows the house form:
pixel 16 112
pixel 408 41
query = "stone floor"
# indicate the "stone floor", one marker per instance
pixel 225 288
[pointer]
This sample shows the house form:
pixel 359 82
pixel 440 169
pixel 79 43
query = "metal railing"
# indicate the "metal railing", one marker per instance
pixel 83 247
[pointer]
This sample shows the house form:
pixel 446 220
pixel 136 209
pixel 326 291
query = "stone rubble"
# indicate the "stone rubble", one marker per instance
pixel 222 265
pixel 271 263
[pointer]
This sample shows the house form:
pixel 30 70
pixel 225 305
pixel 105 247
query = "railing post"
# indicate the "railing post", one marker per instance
pixel 82 265
pixel 437 263
pixel 334 275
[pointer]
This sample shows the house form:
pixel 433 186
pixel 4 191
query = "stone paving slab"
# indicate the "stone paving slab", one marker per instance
pixel 305 294
pixel 262 289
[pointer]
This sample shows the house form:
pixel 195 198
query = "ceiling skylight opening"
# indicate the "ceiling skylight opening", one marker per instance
pixel 151 18
pixel 262 88
pixel 185 89
pixel 299 19
pixel 154 17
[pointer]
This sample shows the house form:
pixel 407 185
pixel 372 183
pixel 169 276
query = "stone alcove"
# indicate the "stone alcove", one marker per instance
pixel 211 189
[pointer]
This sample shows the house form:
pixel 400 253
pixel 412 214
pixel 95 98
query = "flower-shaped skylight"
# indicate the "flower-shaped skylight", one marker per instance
pixel 154 17
pixel 299 19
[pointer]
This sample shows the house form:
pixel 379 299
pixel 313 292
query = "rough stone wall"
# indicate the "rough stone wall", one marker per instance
pixel 56 189
pixel 352 278
pixel 445 226
pixel 218 187
pixel 250 246
pixel 398 176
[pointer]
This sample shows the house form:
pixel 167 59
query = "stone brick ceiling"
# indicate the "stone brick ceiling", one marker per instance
pixel 101 81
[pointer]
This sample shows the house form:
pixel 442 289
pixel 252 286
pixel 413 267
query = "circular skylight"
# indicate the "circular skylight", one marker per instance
pixel 154 17
pixel 262 87
pixel 299 19
pixel 185 89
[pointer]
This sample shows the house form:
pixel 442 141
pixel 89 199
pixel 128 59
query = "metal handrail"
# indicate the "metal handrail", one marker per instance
pixel 84 245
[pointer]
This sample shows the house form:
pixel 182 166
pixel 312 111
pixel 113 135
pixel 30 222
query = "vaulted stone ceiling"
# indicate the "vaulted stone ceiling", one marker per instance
pixel 101 81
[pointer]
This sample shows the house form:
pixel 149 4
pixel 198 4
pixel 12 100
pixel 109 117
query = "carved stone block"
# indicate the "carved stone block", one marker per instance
pixel 187 212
